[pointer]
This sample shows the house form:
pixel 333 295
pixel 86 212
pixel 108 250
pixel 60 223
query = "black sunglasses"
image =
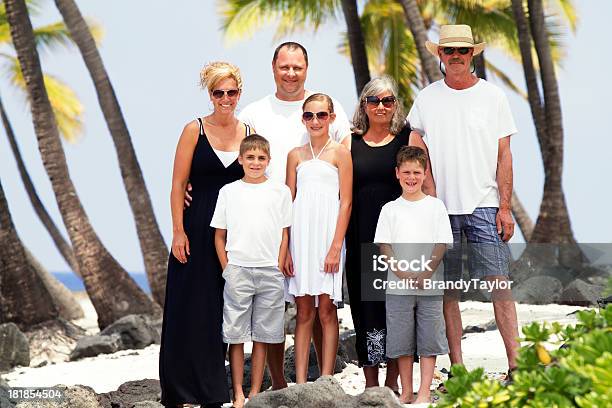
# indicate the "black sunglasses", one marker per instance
pixel 387 101
pixel 308 116
pixel 218 93
pixel 451 50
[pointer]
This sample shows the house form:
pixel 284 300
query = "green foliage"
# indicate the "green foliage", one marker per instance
pixel 66 105
pixel 557 367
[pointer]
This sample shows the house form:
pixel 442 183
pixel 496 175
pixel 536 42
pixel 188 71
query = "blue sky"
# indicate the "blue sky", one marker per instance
pixel 154 52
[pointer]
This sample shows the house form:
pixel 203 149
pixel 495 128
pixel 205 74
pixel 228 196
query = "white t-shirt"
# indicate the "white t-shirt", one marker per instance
pixel 421 223
pixel 461 129
pixel 254 216
pixel 281 123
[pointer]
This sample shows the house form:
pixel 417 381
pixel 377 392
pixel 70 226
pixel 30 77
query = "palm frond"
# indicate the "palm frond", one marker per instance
pixel 52 35
pixel 390 46
pixel 241 18
pixel 505 79
pixel 66 106
pixel 569 12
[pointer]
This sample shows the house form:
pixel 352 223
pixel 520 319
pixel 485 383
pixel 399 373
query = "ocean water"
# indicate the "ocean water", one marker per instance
pixel 74 283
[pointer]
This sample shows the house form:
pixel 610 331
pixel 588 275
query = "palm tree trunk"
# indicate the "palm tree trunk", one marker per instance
pixel 113 292
pixel 58 239
pixel 553 223
pixel 359 58
pixel 24 300
pixel 533 92
pixel 154 250
pixel 417 27
pixel 63 299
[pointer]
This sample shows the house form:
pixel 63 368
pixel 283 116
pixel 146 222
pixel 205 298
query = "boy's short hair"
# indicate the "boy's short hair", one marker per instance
pixel 411 153
pixel 253 142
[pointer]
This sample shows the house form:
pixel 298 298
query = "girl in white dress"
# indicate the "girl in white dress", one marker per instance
pixel 319 175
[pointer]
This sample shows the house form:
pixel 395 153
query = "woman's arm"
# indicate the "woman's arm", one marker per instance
pixel 180 176
pixel 345 173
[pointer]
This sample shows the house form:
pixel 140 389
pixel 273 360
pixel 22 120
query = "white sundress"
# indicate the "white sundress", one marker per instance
pixel 315 214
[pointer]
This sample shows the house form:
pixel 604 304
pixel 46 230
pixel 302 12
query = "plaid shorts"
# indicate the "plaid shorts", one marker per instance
pixel 487 254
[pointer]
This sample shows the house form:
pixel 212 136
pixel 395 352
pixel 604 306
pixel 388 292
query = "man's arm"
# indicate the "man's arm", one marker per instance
pixel 429 184
pixel 504 220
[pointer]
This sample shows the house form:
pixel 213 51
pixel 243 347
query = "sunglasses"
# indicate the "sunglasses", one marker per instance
pixel 451 50
pixel 387 101
pixel 218 93
pixel 308 116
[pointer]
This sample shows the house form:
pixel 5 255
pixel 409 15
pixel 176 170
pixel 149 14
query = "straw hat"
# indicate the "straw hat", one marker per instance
pixel 459 35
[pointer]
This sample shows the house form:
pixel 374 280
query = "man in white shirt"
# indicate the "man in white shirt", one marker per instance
pixel 277 117
pixel 465 124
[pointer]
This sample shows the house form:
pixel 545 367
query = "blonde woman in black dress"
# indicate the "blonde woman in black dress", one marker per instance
pixel 192 354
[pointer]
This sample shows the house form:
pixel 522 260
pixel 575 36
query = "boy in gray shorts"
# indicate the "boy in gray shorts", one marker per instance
pixel 414 230
pixel 251 218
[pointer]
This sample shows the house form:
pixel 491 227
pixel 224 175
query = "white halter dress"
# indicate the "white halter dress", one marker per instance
pixel 315 214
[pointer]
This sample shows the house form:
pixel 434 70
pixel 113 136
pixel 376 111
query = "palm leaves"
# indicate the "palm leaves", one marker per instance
pixel 65 103
pixel 241 18
pixel 389 44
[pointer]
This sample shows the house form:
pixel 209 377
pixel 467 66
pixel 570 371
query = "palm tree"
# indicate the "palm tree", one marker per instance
pixel 66 107
pixel 58 239
pixel 359 58
pixel 113 293
pixel 24 299
pixel 553 223
pixel 154 250
pixel 68 307
pixel 416 24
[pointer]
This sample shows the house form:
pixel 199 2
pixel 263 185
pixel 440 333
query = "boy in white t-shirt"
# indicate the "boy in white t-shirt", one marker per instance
pixel 414 227
pixel 251 218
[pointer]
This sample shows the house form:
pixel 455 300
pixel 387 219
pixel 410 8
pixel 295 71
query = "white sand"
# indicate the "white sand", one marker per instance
pixel 106 372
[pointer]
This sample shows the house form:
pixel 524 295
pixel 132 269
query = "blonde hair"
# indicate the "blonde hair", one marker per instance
pixel 217 71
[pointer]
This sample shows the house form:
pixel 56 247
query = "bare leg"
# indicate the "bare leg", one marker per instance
pixel 454 327
pixel 236 354
pixel 328 315
pixel 317 339
pixel 371 376
pixel 404 364
pixel 258 363
pixel 303 333
pixel 427 370
pixel 506 319
pixel 392 374
pixel 276 365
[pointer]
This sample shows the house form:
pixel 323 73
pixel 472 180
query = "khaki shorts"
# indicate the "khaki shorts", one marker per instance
pixel 254 305
pixel 415 323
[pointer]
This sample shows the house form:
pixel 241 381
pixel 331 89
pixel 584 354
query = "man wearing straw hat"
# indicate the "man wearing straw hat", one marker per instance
pixel 465 123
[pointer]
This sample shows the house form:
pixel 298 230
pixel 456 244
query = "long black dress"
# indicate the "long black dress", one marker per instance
pixel 374 185
pixel 192 353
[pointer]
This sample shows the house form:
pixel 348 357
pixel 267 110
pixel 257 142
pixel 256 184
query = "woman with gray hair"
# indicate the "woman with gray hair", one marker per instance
pixel 379 131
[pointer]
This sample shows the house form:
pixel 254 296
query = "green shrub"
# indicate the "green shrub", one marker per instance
pixel 577 373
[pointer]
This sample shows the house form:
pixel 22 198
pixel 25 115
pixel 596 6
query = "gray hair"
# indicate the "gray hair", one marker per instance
pixel 376 86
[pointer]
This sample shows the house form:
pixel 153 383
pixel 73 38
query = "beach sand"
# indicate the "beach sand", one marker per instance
pixel 106 372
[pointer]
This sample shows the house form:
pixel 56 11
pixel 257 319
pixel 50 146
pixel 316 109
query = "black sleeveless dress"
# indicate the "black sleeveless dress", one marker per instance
pixel 374 185
pixel 192 353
